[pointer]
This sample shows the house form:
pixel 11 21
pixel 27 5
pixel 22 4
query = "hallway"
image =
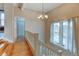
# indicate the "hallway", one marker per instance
pixel 19 48
pixel 50 30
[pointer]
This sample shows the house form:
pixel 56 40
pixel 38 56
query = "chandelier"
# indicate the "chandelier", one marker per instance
pixel 43 15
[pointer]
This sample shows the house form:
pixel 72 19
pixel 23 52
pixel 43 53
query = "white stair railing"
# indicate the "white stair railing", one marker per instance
pixel 40 48
pixel 46 50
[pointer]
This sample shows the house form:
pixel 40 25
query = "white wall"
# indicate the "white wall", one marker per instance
pixel 36 27
pixel 32 23
pixel 9 22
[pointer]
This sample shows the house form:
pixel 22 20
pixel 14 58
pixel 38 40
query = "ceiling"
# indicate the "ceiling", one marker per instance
pixel 38 6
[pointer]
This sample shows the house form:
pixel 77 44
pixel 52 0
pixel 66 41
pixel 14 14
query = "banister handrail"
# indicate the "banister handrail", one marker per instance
pixel 36 44
pixel 49 47
pixel 39 46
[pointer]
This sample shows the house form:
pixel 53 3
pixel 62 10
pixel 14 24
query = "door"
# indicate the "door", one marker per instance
pixel 20 28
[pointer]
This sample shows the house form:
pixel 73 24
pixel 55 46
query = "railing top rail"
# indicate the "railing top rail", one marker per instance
pixel 48 46
pixel 34 33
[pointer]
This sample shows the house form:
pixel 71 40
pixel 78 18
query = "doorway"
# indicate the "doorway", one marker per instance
pixel 20 28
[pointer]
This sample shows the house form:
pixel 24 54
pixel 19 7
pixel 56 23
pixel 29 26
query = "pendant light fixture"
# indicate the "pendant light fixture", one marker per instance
pixel 43 16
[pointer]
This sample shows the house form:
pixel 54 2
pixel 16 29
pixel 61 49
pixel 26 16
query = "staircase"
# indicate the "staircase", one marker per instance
pixel 19 48
pixel 40 48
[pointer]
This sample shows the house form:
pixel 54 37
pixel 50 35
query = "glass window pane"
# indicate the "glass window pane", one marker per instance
pixel 65 33
pixel 2 23
pixel 2 16
pixel 56 32
pixel 2 19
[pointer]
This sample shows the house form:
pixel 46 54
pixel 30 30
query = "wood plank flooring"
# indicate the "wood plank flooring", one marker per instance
pixel 19 48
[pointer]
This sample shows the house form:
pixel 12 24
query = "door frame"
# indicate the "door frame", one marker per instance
pixel 16 26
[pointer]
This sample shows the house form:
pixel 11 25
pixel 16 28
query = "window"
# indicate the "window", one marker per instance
pixel 1 23
pixel 65 33
pixel 55 32
pixel 62 34
pixel 1 18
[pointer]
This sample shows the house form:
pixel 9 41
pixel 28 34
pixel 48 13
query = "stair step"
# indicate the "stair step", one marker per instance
pixel 4 45
pixel 8 50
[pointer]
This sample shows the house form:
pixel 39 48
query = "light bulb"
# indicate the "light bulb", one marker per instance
pixel 43 16
pixel 46 16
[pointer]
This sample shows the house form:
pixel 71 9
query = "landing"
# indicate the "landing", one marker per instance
pixel 21 48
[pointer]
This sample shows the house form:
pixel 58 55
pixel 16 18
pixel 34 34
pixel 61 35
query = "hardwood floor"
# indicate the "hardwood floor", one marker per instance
pixel 3 46
pixel 19 48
